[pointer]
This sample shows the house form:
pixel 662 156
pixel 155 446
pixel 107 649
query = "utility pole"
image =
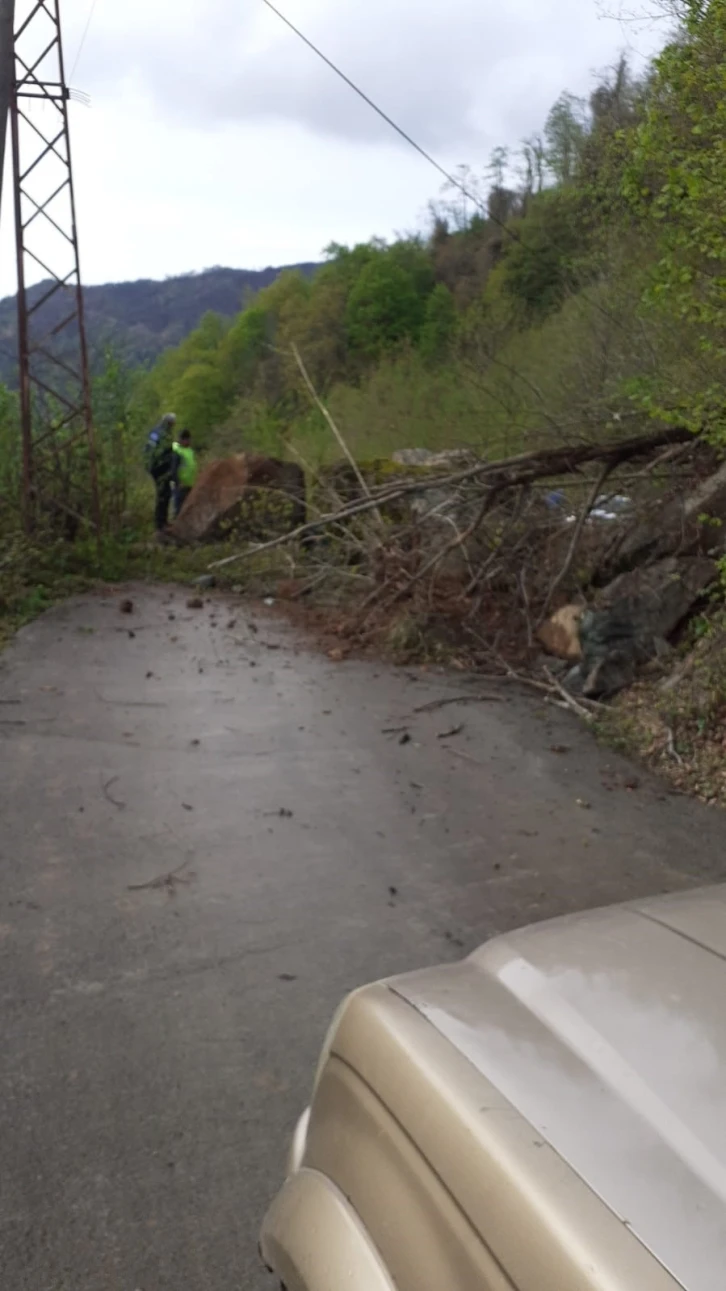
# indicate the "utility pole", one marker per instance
pixel 7 76
pixel 60 480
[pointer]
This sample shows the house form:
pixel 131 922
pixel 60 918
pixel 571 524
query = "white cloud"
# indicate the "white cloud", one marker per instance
pixel 215 136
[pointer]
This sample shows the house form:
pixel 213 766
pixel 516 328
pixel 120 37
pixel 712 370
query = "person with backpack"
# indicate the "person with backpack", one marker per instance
pixel 184 470
pixel 159 462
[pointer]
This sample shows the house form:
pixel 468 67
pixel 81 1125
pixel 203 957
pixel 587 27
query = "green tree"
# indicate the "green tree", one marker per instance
pixel 675 185
pixel 201 399
pixel 411 255
pixel 439 326
pixel 565 134
pixel 384 308
pixel 243 347
pixel 538 268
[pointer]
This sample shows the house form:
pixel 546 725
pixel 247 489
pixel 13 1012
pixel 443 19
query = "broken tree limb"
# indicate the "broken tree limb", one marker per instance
pixel 592 497
pixel 507 473
pixel 435 704
pixel 336 432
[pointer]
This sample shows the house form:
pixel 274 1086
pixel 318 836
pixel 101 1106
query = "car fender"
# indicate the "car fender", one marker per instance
pixel 313 1240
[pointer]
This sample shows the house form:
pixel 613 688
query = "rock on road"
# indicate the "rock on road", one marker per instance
pixel 209 836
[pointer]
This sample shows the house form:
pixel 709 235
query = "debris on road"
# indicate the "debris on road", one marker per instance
pixel 170 881
pixel 126 607
pixel 455 730
pixel 466 757
pixel 109 797
pixel 195 603
pixel 434 704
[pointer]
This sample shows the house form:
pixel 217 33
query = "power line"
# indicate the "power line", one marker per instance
pixel 451 179
pixel 83 38
pixel 388 120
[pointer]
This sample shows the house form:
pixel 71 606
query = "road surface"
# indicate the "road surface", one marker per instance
pixel 209 836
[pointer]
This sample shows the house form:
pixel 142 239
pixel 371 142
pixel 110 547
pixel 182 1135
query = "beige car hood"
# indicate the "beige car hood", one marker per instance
pixel 607 1032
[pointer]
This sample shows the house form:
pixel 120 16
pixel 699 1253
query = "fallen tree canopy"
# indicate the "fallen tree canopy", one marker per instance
pixel 508 473
pixel 496 559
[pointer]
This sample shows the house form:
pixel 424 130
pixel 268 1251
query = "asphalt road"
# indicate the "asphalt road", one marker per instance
pixel 209 835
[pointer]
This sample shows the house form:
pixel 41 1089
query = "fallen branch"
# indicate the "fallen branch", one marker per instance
pixel 328 417
pixel 109 798
pixel 435 704
pixel 508 473
pixel 438 556
pixel 671 747
pixel 465 757
pixel 577 534
pixel 168 880
pixel 567 698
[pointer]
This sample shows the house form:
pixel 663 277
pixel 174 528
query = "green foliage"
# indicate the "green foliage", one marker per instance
pixel 438 333
pixel 539 265
pixel 111 396
pixel 565 133
pixel 675 184
pixel 10 459
pixel 200 398
pixel 384 308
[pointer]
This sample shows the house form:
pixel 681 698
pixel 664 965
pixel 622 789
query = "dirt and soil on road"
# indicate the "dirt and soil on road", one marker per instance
pixel 210 834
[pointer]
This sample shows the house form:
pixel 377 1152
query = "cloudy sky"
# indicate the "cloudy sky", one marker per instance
pixel 215 136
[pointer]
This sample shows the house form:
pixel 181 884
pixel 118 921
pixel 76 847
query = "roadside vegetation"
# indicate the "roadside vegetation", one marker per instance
pixel 572 292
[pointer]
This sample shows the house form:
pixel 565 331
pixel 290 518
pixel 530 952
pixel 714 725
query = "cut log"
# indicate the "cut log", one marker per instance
pixel 246 496
pixel 560 634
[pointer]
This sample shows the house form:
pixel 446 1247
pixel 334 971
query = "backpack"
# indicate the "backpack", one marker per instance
pixel 158 451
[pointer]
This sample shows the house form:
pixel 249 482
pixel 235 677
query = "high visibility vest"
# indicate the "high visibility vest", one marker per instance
pixel 188 468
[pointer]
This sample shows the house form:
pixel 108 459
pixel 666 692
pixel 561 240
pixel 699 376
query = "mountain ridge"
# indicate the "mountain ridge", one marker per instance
pixel 140 319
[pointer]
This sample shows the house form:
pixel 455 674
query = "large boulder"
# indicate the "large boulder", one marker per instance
pixel 631 626
pixel 245 496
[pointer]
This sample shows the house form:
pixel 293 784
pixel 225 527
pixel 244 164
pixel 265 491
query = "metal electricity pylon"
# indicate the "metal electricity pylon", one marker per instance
pixel 60 479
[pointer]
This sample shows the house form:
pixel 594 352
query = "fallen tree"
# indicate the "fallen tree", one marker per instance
pixel 506 474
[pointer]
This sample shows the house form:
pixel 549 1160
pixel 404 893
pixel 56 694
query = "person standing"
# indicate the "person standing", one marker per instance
pixel 184 470
pixel 159 461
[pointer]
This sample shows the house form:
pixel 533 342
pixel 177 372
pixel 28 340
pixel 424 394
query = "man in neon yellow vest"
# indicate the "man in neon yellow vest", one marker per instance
pixel 184 470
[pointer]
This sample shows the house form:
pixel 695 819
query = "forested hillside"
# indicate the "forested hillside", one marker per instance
pixel 577 288
pixel 140 319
